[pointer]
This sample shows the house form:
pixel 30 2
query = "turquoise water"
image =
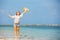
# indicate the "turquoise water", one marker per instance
pixel 32 32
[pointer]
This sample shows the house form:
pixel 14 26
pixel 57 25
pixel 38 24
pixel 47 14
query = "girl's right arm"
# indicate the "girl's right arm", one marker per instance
pixel 11 16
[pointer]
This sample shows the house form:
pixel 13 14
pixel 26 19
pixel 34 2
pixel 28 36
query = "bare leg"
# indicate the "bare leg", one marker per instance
pixel 15 28
pixel 18 28
pixel 16 32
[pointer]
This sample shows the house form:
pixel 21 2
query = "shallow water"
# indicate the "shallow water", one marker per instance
pixel 30 33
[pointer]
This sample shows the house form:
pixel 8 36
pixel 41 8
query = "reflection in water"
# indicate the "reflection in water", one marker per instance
pixel 18 36
pixel 17 33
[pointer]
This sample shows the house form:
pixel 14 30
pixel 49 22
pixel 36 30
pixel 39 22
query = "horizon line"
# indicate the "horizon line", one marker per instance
pixel 33 24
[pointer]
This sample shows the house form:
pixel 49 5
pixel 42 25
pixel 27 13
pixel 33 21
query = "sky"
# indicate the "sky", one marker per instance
pixel 41 11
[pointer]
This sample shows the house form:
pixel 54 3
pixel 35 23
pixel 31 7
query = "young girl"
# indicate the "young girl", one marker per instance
pixel 17 18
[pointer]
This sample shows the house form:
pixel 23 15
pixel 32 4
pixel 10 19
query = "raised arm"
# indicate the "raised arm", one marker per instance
pixel 11 16
pixel 22 14
pixel 24 11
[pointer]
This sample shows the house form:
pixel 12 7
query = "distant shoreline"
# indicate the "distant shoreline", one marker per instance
pixel 34 25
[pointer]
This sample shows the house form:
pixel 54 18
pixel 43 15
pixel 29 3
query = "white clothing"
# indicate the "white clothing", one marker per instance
pixel 16 18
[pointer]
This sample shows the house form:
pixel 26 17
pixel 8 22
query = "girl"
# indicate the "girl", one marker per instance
pixel 17 18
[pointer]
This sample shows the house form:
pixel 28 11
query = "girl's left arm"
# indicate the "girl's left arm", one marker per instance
pixel 24 11
pixel 22 14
